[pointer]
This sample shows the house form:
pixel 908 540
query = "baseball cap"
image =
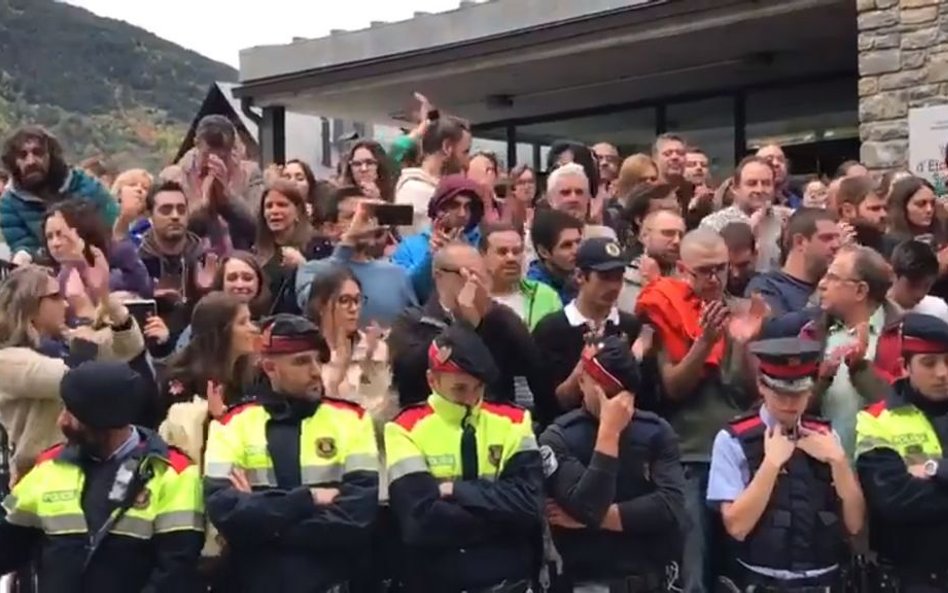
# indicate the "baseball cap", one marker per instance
pixel 600 254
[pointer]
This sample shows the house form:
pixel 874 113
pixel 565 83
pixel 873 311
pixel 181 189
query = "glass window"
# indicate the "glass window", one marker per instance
pixel 709 125
pixel 631 131
pixel 803 114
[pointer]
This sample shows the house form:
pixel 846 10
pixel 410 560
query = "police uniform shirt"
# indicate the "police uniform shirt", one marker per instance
pixel 729 477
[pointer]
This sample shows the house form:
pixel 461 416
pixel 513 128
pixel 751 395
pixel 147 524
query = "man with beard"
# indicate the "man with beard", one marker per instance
pixel 172 255
pixel 114 508
pixel 40 178
pixel 863 208
pixel 292 480
pixel 900 457
pixel 741 257
pixel 812 239
pixel 661 235
pixel 455 211
pixel 445 146
pixel 386 286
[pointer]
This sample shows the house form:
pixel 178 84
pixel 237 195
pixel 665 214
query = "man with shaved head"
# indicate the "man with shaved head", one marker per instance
pixel 462 296
pixel 660 236
pixel 701 341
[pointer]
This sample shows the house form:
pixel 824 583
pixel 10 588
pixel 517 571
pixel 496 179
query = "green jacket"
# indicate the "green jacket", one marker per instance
pixel 541 301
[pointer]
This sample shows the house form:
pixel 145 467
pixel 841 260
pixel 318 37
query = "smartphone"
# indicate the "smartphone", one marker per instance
pixel 142 309
pixel 394 214
pixel 5 269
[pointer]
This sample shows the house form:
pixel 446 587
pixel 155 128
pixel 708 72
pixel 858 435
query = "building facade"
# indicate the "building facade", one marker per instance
pixel 830 80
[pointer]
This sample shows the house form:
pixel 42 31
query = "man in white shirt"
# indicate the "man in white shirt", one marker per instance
pixel 753 191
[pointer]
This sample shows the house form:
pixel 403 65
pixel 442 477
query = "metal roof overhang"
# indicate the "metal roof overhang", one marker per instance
pixel 632 51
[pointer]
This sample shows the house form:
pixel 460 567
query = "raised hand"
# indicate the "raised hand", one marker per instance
pixel 821 445
pixel 746 327
pixel 857 351
pixel 713 320
pixel 206 272
pixel 615 413
pixel 777 446
pixel 96 276
pixel 214 393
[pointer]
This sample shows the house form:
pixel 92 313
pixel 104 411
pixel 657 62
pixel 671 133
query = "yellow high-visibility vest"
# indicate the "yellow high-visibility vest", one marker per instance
pixel 337 439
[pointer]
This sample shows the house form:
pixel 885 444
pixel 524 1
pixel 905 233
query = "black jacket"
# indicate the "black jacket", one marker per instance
pixel 646 482
pixel 909 516
pixel 502 331
pixel 122 563
pixel 278 540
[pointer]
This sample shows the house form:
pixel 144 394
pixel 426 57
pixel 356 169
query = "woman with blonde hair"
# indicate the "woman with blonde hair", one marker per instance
pixel 36 349
pixel 635 170
pixel 130 189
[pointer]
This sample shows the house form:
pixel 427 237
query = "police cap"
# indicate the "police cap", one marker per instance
pixel 460 350
pixel 292 334
pixel 612 366
pixel 103 395
pixel 600 254
pixel 787 365
pixel 924 334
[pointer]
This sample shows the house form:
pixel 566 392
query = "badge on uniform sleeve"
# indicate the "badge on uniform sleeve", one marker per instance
pixel 494 454
pixel 550 464
pixel 326 447
pixel 142 500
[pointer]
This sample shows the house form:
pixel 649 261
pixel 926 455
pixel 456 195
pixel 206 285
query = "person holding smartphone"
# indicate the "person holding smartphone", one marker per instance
pixel 455 212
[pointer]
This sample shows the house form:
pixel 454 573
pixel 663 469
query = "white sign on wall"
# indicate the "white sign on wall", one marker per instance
pixel 928 137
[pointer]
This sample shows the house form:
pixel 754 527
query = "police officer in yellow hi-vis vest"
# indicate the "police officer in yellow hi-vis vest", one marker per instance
pixel 465 478
pixel 901 459
pixel 114 509
pixel 292 480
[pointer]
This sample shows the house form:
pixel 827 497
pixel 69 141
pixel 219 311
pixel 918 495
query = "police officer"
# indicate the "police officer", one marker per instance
pixel 291 480
pixel 782 482
pixel 900 456
pixel 465 478
pixel 113 509
pixel 616 482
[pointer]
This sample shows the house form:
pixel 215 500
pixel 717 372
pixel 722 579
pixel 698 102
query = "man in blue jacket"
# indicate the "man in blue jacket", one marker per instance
pixel 455 209
pixel 41 177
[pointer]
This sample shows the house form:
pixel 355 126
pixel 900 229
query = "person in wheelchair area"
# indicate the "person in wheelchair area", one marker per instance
pixel 781 480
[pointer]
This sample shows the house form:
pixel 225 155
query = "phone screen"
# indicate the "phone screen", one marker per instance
pixel 141 310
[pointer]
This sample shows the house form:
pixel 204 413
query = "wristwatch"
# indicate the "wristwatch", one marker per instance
pixel 930 467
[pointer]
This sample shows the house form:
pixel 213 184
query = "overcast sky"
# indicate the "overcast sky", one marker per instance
pixel 185 22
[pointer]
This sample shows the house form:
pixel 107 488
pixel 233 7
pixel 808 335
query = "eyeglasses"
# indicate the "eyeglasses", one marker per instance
pixel 833 277
pixel 348 300
pixel 711 271
pixel 364 164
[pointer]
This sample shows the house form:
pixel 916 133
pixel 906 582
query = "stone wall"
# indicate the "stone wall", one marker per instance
pixel 903 63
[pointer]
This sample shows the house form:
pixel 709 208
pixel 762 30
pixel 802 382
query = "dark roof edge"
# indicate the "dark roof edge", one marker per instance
pixel 247 88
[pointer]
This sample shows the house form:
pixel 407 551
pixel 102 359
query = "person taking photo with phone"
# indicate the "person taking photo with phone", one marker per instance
pixel 455 211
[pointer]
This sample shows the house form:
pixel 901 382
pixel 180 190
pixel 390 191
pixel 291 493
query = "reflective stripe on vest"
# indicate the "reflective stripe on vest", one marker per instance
pixel 334 441
pixel 904 429
pixel 426 439
pixel 50 498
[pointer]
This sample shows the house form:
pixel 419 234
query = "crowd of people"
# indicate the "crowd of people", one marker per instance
pixel 432 374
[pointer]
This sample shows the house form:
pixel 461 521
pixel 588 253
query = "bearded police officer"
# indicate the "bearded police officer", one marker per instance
pixel 782 482
pixel 112 510
pixel 292 479
pixel 615 480
pixel 900 456
pixel 465 478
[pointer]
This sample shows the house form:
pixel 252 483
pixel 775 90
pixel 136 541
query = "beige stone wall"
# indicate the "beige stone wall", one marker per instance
pixel 903 63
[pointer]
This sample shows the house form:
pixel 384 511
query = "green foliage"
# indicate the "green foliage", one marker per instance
pixel 102 86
